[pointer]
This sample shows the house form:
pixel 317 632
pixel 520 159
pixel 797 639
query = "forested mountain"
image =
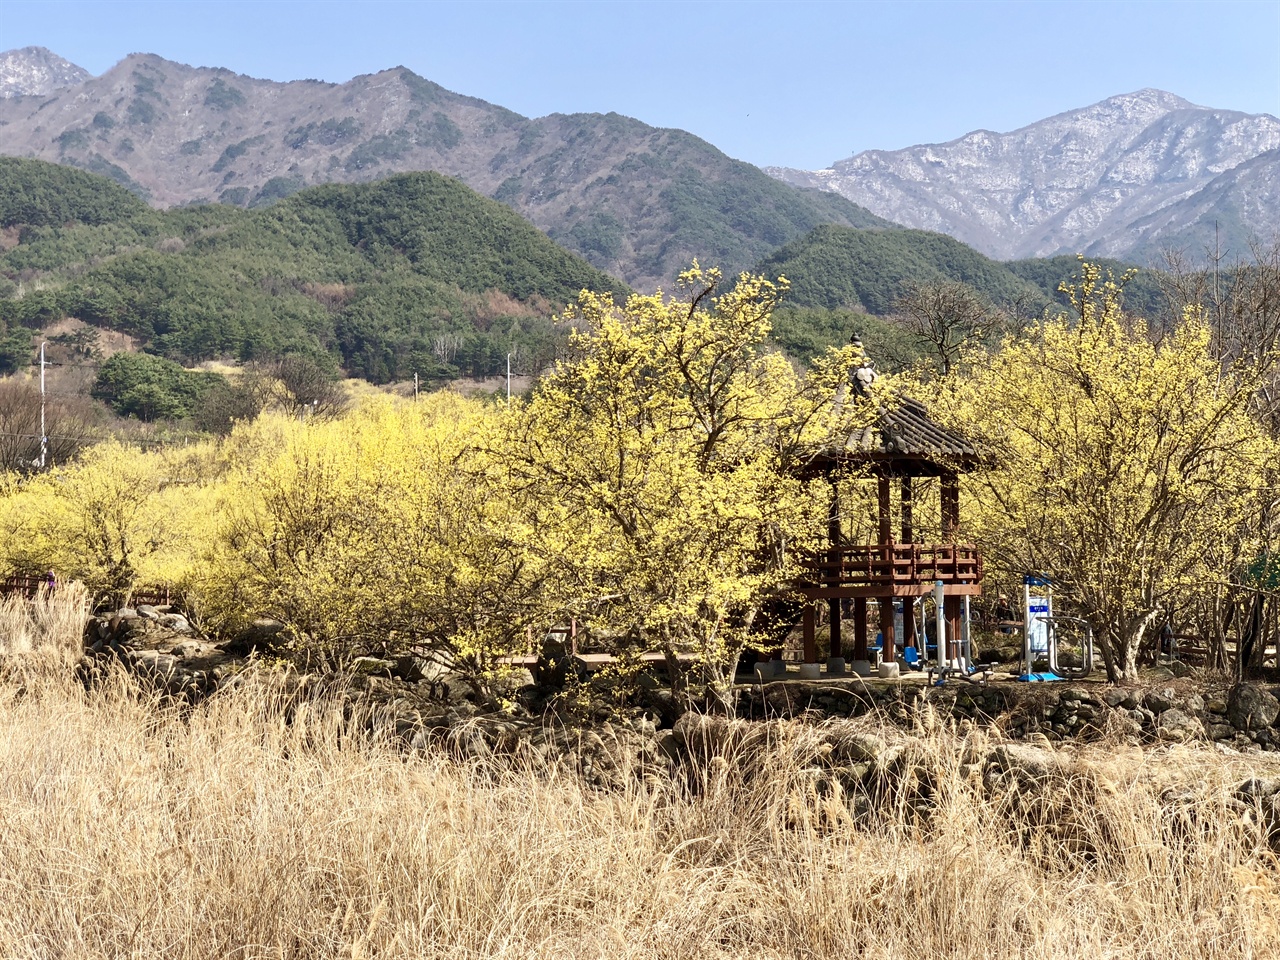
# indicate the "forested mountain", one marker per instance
pixel 1143 292
pixel 846 282
pixel 637 201
pixel 836 268
pixel 412 274
pixel 415 273
pixel 1127 177
pixel 38 194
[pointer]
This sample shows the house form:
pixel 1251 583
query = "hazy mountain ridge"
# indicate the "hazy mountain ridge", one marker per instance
pixel 1127 175
pixel 36 72
pixel 633 199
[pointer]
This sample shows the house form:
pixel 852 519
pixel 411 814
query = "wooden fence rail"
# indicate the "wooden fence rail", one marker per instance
pixel 27 586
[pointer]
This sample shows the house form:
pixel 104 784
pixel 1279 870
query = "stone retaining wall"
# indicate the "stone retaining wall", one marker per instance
pixel 1244 715
pixel 162 646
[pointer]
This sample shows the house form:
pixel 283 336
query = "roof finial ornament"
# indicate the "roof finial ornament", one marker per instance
pixel 864 374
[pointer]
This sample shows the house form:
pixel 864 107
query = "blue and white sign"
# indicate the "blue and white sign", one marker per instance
pixel 1037 626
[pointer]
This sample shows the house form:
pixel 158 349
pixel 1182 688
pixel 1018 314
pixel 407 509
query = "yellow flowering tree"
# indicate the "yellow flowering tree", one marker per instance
pixel 1119 465
pixel 116 518
pixel 661 457
pixel 383 532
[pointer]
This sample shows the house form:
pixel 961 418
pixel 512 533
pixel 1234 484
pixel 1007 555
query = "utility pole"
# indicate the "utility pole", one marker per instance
pixel 415 385
pixel 44 437
pixel 508 381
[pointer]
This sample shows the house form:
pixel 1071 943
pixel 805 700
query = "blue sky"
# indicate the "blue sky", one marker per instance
pixel 795 84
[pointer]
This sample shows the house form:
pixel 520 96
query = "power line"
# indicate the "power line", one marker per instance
pixel 54 436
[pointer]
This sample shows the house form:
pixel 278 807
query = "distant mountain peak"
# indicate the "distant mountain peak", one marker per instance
pixel 37 72
pixel 1121 177
pixel 1152 97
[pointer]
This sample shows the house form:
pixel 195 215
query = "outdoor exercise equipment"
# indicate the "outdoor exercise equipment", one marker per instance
pixel 1040 634
pixel 959 667
pixel 1086 647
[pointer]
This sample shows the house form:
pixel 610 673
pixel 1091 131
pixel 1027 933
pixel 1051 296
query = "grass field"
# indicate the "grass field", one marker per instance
pixel 245 828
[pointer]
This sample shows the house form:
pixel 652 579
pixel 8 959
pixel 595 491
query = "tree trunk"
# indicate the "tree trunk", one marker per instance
pixel 1119 647
pixel 1253 641
pixel 1128 672
pixel 1107 646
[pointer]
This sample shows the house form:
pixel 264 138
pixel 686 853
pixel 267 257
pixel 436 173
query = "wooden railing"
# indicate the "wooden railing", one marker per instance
pixel 894 565
pixel 23 586
pixel 27 586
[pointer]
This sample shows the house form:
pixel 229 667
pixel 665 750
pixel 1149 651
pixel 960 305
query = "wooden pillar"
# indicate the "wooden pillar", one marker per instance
pixel 810 635
pixel 860 649
pixel 908 534
pixel 834 557
pixel 890 652
pixel 886 514
pixel 953 613
pixel 950 508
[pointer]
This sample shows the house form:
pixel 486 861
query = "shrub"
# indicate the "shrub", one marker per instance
pixel 150 388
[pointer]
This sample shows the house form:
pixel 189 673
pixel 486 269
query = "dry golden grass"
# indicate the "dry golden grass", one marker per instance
pixel 50 626
pixel 131 829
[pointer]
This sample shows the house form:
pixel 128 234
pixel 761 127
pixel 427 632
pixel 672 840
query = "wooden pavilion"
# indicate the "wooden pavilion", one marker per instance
pixel 902 446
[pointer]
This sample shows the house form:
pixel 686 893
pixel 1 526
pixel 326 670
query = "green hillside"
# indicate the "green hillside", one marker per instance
pixel 415 273
pixel 845 281
pixel 35 193
pixel 419 274
pixel 835 268
pixel 838 268
pixel 1142 294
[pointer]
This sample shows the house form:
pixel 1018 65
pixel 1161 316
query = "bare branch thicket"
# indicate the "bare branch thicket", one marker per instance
pixel 295 384
pixel 68 425
pixel 944 315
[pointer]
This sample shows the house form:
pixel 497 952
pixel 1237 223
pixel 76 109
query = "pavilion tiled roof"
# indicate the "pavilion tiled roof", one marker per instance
pixel 908 432
pixel 902 439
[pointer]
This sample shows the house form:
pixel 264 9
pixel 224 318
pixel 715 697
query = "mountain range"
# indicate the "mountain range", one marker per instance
pixel 637 201
pixel 1127 177
pixel 413 275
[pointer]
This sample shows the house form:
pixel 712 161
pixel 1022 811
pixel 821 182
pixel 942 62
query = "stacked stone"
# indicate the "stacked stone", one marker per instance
pixel 1244 716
